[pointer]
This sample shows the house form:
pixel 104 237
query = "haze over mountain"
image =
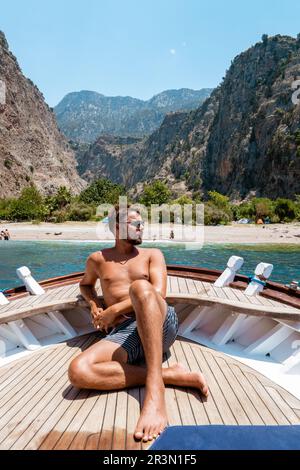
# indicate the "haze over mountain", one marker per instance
pixel 32 150
pixel 244 138
pixel 84 116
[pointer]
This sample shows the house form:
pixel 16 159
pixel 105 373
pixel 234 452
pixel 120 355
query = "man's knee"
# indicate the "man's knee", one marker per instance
pixel 77 371
pixel 141 290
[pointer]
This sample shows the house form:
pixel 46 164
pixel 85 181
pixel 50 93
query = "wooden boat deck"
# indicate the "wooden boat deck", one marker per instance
pixel 179 289
pixel 39 409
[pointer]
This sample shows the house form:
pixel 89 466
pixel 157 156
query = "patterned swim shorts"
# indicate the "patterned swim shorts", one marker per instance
pixel 126 335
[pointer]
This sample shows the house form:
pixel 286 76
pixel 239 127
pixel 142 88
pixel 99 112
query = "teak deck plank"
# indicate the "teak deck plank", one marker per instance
pixel 51 414
pixel 37 402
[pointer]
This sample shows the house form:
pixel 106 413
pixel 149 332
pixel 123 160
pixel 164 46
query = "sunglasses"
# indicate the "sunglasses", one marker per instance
pixel 137 223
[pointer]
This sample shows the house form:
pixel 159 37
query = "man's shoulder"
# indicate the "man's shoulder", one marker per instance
pixel 96 257
pixel 152 251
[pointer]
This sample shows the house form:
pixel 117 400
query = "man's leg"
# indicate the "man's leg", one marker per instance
pixel 150 310
pixel 103 367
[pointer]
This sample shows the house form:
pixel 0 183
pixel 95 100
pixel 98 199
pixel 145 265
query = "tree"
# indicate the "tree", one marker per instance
pixel 263 207
pixel 29 206
pixel 155 193
pixel 102 191
pixel 285 209
pixel 215 216
pixel 264 38
pixel 182 200
pixel 297 206
pixel 63 197
pixel 220 201
pixel 60 200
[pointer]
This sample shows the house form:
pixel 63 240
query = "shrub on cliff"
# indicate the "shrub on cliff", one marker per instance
pixel 155 193
pixel 285 209
pixel 102 191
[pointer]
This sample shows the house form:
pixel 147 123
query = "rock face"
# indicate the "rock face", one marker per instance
pixel 128 160
pixel 86 115
pixel 32 150
pixel 108 157
pixel 244 138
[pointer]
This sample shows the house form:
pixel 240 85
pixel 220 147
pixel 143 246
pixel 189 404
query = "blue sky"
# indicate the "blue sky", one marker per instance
pixel 136 47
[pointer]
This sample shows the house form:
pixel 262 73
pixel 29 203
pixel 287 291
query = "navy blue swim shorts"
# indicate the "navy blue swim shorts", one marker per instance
pixel 126 335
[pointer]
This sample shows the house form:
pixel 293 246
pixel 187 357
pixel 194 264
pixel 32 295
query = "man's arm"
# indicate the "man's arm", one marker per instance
pixel 158 272
pixel 87 284
pixel 102 319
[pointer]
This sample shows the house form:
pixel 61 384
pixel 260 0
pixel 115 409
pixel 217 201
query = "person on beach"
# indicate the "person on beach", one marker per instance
pixel 6 234
pixel 140 326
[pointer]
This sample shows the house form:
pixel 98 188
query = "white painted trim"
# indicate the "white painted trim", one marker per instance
pixel 228 328
pixel 193 319
pixel 62 324
pixel 263 364
pixel 24 334
pixel 262 271
pixel 30 283
pixel 233 265
pixel 3 300
pixel 7 333
pixel 269 341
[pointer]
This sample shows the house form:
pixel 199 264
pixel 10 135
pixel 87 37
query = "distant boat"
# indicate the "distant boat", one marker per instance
pixel 244 335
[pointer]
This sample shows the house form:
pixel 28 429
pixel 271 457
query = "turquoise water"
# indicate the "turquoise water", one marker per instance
pixel 50 259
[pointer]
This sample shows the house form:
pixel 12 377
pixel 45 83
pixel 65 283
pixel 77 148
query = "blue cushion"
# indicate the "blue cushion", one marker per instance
pixel 229 438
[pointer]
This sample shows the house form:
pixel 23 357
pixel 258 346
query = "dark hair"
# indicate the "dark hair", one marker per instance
pixel 117 211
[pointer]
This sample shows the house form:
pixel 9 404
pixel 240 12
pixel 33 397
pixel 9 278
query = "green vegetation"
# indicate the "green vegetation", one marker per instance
pixel 8 163
pixel 63 206
pixel 155 193
pixel 217 209
pixel 29 206
pixel 102 191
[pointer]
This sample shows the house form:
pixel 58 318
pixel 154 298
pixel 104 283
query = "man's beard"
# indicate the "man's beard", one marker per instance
pixel 137 241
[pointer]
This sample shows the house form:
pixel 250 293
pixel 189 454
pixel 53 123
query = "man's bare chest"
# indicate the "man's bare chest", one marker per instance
pixel 129 271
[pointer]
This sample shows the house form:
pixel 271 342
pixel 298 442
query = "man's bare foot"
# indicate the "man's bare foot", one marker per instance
pixel 153 419
pixel 182 377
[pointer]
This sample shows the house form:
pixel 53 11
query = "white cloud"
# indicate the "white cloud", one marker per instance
pixel 173 51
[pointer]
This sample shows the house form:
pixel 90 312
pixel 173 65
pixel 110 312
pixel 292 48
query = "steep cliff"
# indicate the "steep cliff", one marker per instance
pixel 32 150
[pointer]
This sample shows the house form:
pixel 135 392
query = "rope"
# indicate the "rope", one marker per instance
pixel 258 281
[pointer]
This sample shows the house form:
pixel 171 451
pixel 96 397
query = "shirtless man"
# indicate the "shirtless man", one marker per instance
pixel 140 326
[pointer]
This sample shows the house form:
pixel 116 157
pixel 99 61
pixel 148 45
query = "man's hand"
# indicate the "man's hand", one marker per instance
pixel 103 319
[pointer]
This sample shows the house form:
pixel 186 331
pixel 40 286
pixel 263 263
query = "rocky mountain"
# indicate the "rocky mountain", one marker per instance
pixel 84 116
pixel 244 138
pixel 32 150
pixel 111 152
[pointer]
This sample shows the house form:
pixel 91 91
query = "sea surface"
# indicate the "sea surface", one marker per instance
pixel 48 259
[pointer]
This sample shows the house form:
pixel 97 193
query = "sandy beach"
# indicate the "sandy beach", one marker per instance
pixel 93 231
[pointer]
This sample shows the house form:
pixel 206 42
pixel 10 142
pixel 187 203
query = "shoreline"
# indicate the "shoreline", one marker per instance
pixel 98 232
